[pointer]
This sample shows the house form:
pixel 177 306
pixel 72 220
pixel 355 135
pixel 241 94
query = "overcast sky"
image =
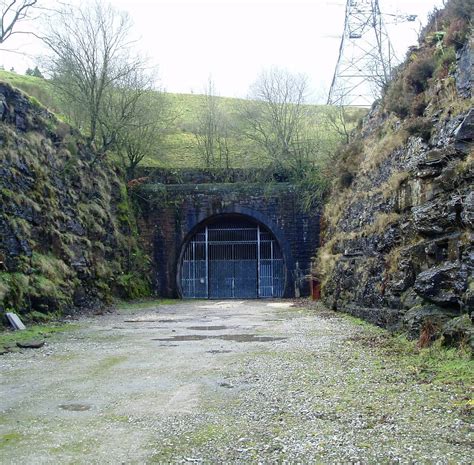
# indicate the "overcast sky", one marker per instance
pixel 233 40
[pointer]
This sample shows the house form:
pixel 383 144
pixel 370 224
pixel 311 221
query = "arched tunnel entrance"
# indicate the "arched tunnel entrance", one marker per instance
pixel 232 257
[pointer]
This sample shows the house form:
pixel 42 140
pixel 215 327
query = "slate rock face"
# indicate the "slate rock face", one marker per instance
pixel 444 284
pixel 401 244
pixel 465 133
pixel 436 217
pixel 459 330
pixel 418 316
pixel 464 73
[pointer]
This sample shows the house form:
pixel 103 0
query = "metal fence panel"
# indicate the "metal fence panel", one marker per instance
pixel 232 259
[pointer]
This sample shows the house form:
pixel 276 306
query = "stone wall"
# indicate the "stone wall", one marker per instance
pixel 171 212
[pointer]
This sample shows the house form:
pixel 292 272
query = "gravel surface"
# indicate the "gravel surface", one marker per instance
pixel 224 382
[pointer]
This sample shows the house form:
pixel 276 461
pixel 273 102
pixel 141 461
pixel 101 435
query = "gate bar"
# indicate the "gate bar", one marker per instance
pixel 258 260
pixel 207 261
pixel 271 265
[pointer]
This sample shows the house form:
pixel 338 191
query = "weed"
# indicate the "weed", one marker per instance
pixel 427 334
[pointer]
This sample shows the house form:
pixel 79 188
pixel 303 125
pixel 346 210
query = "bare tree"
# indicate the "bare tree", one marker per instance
pixel 276 117
pixel 13 12
pixel 96 71
pixel 338 119
pixel 143 135
pixel 212 131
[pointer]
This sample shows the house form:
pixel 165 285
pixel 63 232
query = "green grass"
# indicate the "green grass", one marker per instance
pixel 439 364
pixel 34 332
pixel 40 89
pixel 436 363
pixel 10 438
pixel 179 148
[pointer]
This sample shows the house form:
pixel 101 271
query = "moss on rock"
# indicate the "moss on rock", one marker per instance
pixel 68 232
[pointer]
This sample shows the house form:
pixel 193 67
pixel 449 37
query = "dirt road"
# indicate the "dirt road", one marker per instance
pixel 222 382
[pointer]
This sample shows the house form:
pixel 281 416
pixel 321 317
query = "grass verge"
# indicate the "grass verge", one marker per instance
pixel 437 363
pixel 34 332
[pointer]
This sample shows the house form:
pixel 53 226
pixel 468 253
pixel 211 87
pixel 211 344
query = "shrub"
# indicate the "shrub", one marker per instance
pixel 421 127
pixel 133 286
pixel 345 179
pixel 349 157
pixel 445 63
pixel 397 100
pixel 418 72
pixel 457 33
pixel 418 105
pixel 463 9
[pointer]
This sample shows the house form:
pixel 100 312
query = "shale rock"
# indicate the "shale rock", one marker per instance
pixel 459 330
pixel 420 315
pixel 443 285
pixel 401 235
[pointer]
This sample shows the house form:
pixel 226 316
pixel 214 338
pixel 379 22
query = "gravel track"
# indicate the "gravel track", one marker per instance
pixel 223 382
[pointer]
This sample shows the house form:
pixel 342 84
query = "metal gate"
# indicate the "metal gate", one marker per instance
pixel 232 259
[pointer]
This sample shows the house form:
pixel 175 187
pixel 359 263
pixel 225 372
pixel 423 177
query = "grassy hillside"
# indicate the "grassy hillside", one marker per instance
pixel 41 89
pixel 179 144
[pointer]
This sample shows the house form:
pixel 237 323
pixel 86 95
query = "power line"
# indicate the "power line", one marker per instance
pixel 366 55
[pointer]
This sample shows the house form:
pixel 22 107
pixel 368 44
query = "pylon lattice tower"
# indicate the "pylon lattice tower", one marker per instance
pixel 365 56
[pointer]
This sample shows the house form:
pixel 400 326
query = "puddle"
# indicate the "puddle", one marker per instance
pixel 75 407
pixel 207 328
pixel 225 337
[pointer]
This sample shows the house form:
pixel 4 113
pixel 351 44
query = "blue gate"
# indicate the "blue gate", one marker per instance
pixel 232 259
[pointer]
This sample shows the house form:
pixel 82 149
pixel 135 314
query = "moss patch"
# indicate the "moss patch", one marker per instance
pixel 9 338
pixel 10 439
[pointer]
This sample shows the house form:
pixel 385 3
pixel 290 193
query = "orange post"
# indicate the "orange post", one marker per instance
pixel 315 289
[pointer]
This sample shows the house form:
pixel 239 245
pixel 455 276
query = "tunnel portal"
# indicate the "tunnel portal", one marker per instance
pixel 216 235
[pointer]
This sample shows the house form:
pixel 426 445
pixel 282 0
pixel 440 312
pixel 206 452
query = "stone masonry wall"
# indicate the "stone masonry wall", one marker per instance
pixel 170 213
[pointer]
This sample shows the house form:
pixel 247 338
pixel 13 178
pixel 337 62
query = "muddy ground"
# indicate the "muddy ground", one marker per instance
pixel 224 382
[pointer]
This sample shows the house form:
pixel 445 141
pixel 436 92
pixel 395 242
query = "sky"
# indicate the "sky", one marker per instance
pixel 232 41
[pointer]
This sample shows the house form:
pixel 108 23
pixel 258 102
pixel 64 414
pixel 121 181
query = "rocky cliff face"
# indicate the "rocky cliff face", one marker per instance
pixel 66 229
pixel 398 241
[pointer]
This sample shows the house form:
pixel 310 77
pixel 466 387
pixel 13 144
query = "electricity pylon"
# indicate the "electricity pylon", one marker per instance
pixel 366 56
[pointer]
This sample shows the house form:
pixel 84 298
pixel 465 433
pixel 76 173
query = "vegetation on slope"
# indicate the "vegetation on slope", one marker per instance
pixel 68 234
pixel 389 222
pixel 178 148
